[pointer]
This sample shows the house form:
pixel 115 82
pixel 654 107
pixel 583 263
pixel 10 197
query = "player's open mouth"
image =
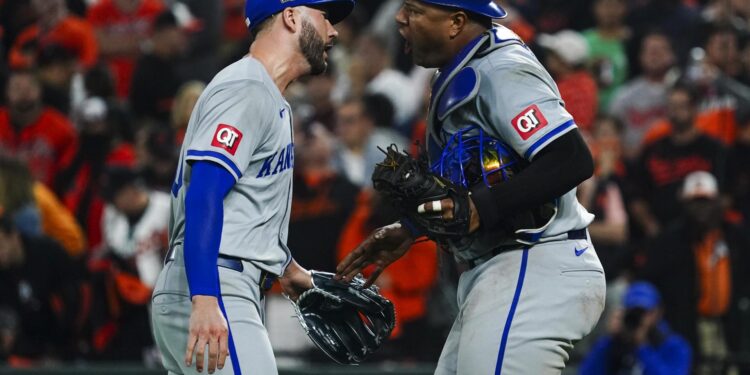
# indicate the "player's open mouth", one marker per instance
pixel 407 47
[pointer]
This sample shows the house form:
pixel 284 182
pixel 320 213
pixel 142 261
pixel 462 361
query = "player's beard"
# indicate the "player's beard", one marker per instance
pixel 313 47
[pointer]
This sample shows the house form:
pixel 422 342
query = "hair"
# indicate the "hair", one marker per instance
pixel 98 81
pixel 378 108
pixel 718 29
pixel 259 28
pixel 619 125
pixel 688 89
pixel 179 117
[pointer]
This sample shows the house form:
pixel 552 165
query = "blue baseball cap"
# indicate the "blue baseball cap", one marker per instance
pixel 256 11
pixel 487 8
pixel 641 294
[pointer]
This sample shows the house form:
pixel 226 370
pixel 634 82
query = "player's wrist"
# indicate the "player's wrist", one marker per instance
pixel 204 300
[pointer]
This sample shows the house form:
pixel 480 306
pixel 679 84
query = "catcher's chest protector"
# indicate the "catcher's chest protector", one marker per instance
pixel 461 106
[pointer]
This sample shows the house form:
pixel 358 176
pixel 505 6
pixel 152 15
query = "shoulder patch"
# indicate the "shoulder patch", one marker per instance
pixel 462 88
pixel 529 121
pixel 227 137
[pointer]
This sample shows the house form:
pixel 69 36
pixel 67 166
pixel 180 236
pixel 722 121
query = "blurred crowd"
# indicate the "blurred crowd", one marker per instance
pixel 98 95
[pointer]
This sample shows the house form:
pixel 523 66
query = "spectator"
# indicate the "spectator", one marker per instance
pixel 738 173
pixel 156 156
pixel 155 81
pixel 602 195
pixel 121 26
pixel 663 164
pixel 36 134
pixel 722 94
pixel 323 199
pixel 55 25
pixel 102 145
pixel 57 70
pixel 607 47
pixel 357 153
pixel 565 55
pixel 371 72
pixel 699 263
pixel 678 19
pixel 135 225
pixel 204 21
pixel 99 83
pixel 642 101
pixel 40 284
pixel 639 341
pixel 184 102
pixel 35 210
pixel 319 94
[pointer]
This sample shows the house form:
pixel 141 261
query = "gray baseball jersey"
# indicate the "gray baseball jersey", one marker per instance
pixel 521 310
pixel 242 122
pixel 497 84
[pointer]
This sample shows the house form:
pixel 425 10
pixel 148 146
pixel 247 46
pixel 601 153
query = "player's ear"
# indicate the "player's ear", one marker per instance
pixel 291 18
pixel 458 21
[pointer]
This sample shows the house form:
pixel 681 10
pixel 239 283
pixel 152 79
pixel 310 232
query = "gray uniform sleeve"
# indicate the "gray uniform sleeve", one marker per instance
pixel 523 105
pixel 231 123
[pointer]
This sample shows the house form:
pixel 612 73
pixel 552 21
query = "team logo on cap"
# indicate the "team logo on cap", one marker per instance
pixel 227 137
pixel 529 121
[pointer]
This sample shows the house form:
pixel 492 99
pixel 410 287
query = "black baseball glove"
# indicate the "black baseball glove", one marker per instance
pixel 406 182
pixel 345 320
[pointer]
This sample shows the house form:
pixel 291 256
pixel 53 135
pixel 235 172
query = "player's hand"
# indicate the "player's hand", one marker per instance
pixel 207 327
pixel 445 207
pixel 295 280
pixel 383 247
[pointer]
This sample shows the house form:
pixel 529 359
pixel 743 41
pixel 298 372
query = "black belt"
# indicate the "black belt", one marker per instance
pixel 578 234
pixel 235 264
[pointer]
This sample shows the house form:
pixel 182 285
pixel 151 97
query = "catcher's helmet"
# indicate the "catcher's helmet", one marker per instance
pixel 487 8
pixel 471 156
pixel 256 11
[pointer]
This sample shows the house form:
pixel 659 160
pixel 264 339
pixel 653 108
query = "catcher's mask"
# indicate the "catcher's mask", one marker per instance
pixel 471 156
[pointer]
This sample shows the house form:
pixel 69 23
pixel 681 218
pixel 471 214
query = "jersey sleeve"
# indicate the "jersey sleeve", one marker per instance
pixel 230 124
pixel 525 108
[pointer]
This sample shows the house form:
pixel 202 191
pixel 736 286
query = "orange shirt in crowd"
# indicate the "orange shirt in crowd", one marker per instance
pixel 719 124
pixel 106 17
pixel 72 33
pixel 714 275
pixel 580 94
pixel 47 146
pixel 408 280
pixel 57 222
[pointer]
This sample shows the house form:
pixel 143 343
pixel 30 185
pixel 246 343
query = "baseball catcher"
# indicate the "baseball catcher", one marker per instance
pixel 497 189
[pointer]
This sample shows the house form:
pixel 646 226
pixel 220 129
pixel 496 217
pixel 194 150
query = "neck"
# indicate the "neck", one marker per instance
pixel 656 77
pixel 22 120
pixel 462 40
pixel 610 31
pixel 282 63
pixel 685 136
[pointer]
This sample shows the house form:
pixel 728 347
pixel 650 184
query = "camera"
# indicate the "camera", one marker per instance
pixel 633 318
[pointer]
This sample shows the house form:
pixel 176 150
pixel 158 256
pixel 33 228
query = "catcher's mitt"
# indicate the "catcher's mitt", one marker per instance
pixel 406 182
pixel 345 320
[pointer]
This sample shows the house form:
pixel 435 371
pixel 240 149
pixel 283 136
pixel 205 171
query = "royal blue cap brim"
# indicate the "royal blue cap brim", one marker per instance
pixel 490 9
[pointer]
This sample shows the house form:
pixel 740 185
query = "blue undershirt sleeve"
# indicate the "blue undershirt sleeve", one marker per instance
pixel 204 216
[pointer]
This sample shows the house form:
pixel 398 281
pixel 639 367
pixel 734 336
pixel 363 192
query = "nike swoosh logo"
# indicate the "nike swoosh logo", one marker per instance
pixel 579 252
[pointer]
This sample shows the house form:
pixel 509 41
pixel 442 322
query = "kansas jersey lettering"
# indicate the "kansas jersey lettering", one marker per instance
pixel 242 123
